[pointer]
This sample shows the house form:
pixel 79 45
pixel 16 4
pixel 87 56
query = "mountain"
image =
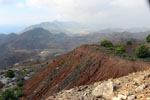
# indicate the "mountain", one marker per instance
pixel 37 38
pixel 57 27
pixel 15 48
pixel 6 38
pixel 84 65
pixel 39 43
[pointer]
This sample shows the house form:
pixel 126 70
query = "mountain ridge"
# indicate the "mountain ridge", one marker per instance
pixel 82 66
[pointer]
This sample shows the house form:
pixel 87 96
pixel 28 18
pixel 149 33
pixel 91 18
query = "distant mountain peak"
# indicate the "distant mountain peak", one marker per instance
pixel 57 27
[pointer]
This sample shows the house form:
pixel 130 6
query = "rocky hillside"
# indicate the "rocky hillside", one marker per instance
pixel 82 66
pixel 135 86
pixel 38 39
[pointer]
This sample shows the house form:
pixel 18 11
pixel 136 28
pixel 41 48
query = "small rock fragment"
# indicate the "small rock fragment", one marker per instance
pixel 131 97
pixel 141 87
pixel 116 98
pixel 122 96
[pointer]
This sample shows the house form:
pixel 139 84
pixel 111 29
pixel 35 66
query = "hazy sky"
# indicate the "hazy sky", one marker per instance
pixel 102 13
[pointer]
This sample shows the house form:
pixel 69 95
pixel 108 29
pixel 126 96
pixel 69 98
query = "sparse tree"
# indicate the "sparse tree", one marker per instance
pixel 129 42
pixel 143 51
pixel 106 43
pixel 8 95
pixel 120 49
pixel 148 39
pixel 19 83
pixel 10 74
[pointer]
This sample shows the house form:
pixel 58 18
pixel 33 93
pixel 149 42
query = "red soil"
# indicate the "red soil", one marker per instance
pixel 1 85
pixel 83 66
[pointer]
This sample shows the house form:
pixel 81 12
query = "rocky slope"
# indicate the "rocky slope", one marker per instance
pixel 82 66
pixel 135 86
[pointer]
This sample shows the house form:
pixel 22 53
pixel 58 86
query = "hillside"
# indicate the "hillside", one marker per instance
pixel 38 38
pixel 41 44
pixel 18 48
pixel 135 86
pixel 82 66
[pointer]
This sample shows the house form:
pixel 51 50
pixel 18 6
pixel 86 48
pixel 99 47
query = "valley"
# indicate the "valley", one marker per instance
pixel 47 63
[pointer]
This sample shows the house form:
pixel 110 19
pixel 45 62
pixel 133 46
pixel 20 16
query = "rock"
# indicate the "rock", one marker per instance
pixel 118 82
pixel 139 79
pixel 120 97
pixel 5 81
pixel 116 98
pixel 125 92
pixel 69 91
pixel 105 90
pixel 131 97
pixel 141 87
pixel 85 94
pixel 26 77
pixel 147 98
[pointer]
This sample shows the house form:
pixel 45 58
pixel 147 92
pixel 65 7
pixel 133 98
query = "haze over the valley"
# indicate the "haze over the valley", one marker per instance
pixel 15 15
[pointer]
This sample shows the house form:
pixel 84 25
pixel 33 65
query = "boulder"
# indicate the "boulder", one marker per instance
pixel 104 90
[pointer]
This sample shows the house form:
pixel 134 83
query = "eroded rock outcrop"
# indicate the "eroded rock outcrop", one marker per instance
pixel 127 89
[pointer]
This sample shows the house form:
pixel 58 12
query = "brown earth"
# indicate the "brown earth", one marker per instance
pixel 82 66
pixel 1 85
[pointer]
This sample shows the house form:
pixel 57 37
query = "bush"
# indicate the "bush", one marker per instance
pixel 27 72
pixel 10 74
pixel 129 42
pixel 8 95
pixel 120 49
pixel 142 51
pixel 148 38
pixel 19 83
pixel 111 48
pixel 97 48
pixel 19 92
pixel 106 43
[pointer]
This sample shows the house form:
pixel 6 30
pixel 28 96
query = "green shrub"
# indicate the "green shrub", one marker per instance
pixel 148 38
pixel 120 49
pixel 106 43
pixel 19 83
pixel 129 42
pixel 142 51
pixel 97 48
pixel 19 92
pixel 27 72
pixel 111 48
pixel 8 95
pixel 10 74
pixel 14 88
pixel 23 68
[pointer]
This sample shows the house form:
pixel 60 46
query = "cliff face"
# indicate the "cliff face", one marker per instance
pixel 82 66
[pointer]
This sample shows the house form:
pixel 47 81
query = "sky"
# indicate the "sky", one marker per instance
pixel 98 13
